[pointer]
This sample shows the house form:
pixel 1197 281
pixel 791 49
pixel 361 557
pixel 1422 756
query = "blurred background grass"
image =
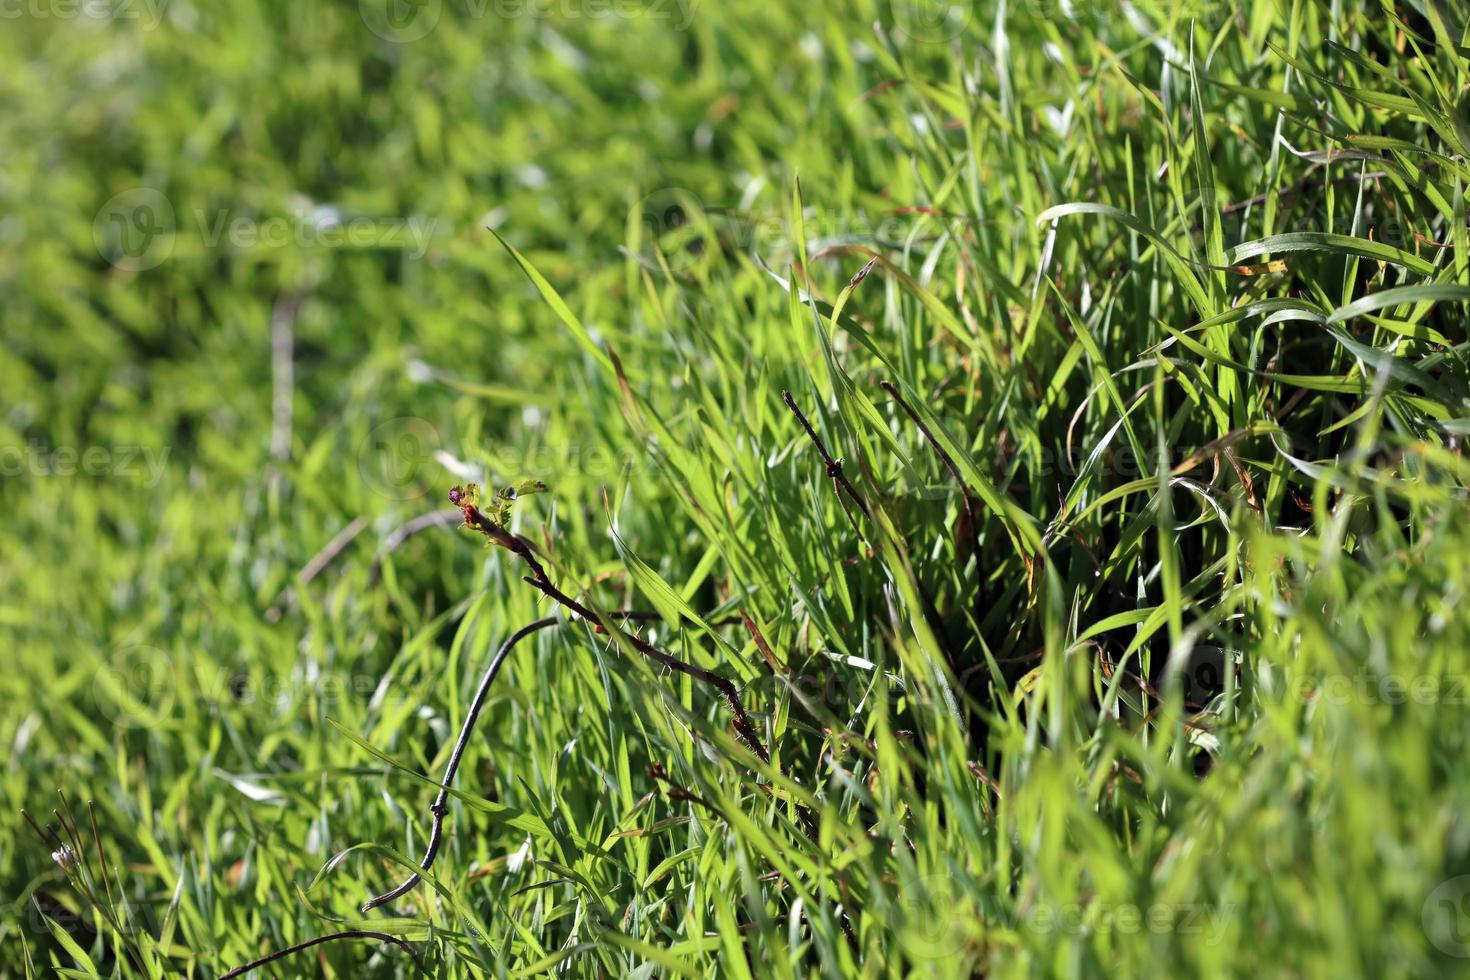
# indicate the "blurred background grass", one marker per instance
pixel 252 308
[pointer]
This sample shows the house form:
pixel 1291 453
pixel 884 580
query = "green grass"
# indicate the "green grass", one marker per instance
pixel 1166 671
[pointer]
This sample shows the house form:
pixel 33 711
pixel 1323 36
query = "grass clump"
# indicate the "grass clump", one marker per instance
pixel 1004 490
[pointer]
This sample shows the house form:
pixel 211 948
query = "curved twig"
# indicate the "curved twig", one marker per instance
pixel 440 807
pixel 240 971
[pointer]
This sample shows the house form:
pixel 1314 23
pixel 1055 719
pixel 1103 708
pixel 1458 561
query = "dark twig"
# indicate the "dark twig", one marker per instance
pixel 541 580
pixel 101 857
pixel 840 482
pixel 440 807
pixel 381 937
pixel 48 836
pixel 939 450
pixel 678 793
pixel 834 466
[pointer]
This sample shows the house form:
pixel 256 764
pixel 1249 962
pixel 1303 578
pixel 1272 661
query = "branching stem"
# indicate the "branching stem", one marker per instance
pixel 522 549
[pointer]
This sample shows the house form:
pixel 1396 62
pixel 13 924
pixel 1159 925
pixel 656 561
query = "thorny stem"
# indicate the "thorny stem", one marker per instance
pixel 440 808
pixel 383 937
pixel 840 482
pixel 542 581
